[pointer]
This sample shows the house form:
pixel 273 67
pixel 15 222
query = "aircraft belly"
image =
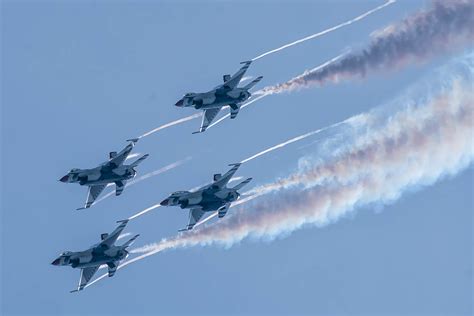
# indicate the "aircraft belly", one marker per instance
pixel 194 201
pixel 93 177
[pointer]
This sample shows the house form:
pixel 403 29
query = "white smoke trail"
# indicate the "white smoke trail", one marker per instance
pixel 413 147
pixel 151 208
pixel 179 121
pixel 329 30
pixel 146 176
pixel 298 138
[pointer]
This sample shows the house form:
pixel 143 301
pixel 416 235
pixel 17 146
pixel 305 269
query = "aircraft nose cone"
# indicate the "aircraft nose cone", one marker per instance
pixel 179 103
pixel 64 179
pixel 55 262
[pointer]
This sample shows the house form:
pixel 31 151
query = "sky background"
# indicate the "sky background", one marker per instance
pixel 80 77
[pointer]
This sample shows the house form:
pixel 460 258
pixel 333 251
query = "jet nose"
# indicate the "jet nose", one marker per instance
pixel 179 103
pixel 56 262
pixel 65 178
pixel 165 202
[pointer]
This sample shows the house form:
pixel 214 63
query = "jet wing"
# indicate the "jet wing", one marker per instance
pixel 207 118
pixel 121 156
pixel 222 181
pixel 235 79
pixel 86 276
pixel 195 215
pixel 112 237
pixel 94 192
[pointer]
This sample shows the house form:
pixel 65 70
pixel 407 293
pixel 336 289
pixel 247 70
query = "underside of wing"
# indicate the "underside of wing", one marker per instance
pixel 235 79
pixel 222 181
pixel 94 192
pixel 86 276
pixel 112 237
pixel 119 158
pixel 207 118
pixel 195 215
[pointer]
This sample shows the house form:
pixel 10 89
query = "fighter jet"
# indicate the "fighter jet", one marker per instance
pixel 91 259
pixel 112 171
pixel 212 197
pixel 227 93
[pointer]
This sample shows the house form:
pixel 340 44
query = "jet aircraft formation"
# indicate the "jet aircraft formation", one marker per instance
pixel 214 197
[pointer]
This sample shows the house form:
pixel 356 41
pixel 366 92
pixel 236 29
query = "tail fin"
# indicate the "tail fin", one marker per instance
pixel 139 160
pixel 252 83
pixel 130 241
pixel 241 184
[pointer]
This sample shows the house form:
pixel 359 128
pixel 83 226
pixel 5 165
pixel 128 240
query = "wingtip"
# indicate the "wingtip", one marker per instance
pixel 123 221
pixel 81 208
pixel 236 164
pixel 246 62
pixel 133 140
pixel 198 132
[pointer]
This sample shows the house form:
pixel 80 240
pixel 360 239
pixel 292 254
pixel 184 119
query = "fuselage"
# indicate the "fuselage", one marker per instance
pixel 91 257
pixel 208 198
pixel 100 175
pixel 214 99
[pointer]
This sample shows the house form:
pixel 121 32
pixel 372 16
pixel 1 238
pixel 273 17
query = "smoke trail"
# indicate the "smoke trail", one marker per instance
pixel 298 138
pixel 445 27
pixel 182 120
pixel 146 176
pixel 151 208
pixel 389 155
pixel 329 30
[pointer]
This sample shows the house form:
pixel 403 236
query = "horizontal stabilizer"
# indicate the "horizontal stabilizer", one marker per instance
pixel 252 83
pixel 241 184
pixel 130 241
pixel 139 160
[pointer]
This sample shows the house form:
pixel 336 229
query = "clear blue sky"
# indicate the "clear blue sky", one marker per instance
pixel 80 77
